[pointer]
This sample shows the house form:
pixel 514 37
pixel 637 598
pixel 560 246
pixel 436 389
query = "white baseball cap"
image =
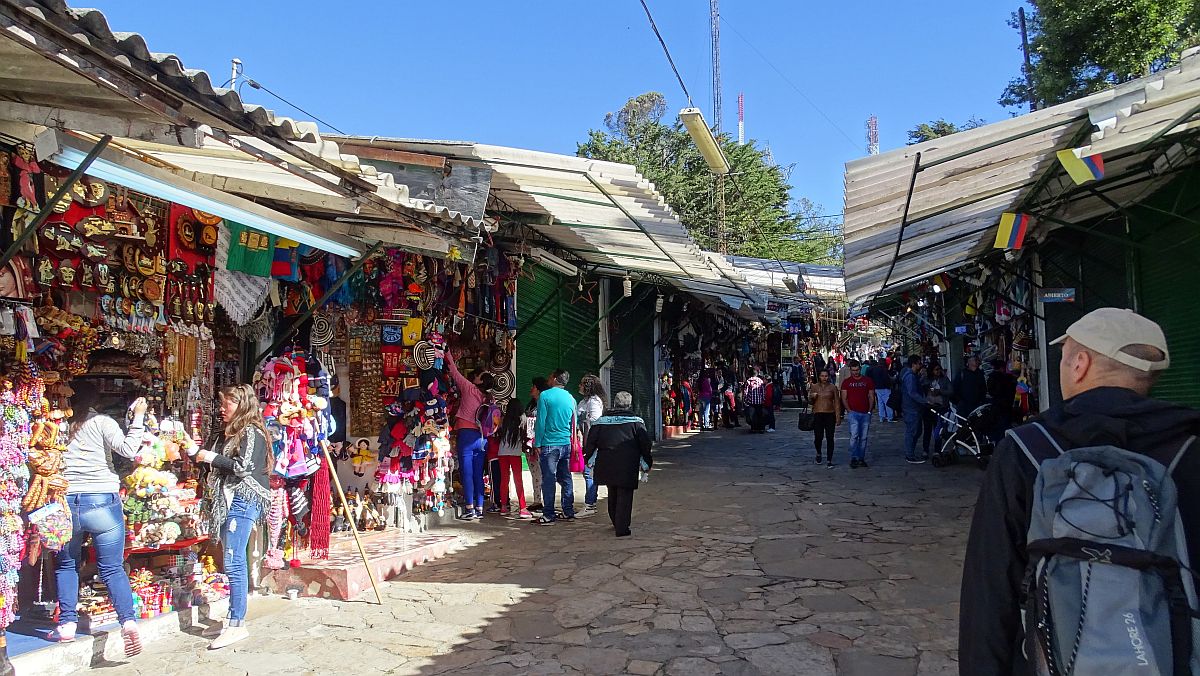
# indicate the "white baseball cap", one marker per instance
pixel 1109 330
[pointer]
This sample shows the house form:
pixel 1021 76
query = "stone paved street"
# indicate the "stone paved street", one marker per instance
pixel 746 558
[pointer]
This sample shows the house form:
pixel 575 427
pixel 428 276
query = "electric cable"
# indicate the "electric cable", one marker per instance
pixel 666 51
pixel 258 85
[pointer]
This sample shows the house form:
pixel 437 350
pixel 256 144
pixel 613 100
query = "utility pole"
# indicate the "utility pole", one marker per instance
pixel 719 179
pixel 1028 66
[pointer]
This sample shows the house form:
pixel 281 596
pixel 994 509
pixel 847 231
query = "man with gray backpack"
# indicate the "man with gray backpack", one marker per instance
pixel 1078 557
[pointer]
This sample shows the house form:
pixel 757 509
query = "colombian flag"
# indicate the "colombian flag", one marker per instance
pixel 1082 170
pixel 1013 227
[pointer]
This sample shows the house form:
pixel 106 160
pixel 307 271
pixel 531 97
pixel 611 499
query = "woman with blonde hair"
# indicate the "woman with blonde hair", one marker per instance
pixel 238 495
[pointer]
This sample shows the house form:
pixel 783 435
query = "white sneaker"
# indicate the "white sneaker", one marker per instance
pixel 230 636
pixel 588 510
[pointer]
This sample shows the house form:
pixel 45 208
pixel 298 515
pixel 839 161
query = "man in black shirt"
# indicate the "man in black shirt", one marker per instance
pixel 969 388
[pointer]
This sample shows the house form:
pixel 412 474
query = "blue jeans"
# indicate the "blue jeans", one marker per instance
pixel 98 515
pixel 705 412
pixel 556 468
pixel 235 536
pixel 590 494
pixel 471 456
pixel 912 430
pixel 885 412
pixel 859 425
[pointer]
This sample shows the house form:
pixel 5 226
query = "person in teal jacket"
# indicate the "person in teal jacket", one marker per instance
pixel 552 439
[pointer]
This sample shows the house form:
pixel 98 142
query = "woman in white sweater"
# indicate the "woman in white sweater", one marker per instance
pixel 589 410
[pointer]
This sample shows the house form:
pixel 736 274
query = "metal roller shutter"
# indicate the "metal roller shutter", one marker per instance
pixel 1164 285
pixel 537 347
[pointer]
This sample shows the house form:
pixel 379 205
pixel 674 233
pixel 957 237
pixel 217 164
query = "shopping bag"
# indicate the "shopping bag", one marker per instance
pixel 807 420
pixel 577 463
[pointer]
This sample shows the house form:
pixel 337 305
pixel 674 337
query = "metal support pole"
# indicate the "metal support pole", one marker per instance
pixel 285 336
pixel 912 184
pixel 46 210
pixel 350 517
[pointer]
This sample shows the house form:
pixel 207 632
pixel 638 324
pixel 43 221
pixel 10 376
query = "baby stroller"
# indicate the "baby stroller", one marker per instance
pixel 965 437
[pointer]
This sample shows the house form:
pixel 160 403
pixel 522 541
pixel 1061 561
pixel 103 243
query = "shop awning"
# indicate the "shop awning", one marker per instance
pixel 63 67
pixel 118 167
pixel 605 213
pixel 961 184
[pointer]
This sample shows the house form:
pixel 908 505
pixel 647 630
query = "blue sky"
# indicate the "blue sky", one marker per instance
pixel 538 74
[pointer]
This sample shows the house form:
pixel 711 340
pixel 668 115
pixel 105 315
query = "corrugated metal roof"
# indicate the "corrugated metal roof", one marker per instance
pixel 604 212
pixel 968 179
pixel 37 80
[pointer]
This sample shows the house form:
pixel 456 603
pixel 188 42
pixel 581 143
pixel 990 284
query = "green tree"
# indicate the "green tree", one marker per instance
pixel 938 128
pixel 761 219
pixel 1078 47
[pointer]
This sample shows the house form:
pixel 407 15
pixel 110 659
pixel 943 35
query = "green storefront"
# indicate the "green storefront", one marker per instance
pixel 555 332
pixel 1146 257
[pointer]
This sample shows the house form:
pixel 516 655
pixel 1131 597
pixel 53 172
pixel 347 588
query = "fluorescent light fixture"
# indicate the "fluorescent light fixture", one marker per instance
pixel 791 284
pixel 554 262
pixel 705 142
pixel 116 167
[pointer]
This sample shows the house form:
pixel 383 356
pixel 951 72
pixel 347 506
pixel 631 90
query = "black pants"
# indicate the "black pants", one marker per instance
pixel 730 416
pixel 494 472
pixel 620 508
pixel 756 413
pixel 770 416
pixel 823 426
pixel 929 420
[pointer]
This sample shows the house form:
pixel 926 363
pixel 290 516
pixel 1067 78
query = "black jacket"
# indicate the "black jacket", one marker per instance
pixel 970 390
pixel 619 440
pixel 990 619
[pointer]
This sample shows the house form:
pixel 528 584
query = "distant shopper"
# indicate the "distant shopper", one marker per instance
pixel 937 398
pixel 539 385
pixel 754 394
pixel 774 401
pixel 882 380
pixel 512 446
pixel 729 408
pixel 1002 388
pixel 239 487
pixel 619 447
pixel 969 390
pixel 705 390
pixel 827 413
pixel 589 410
pixel 472 447
pixel 799 378
pixel 858 400
pixel 95 504
pixel 552 438
pixel 913 408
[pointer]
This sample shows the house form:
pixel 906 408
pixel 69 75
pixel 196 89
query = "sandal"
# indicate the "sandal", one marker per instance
pixel 543 521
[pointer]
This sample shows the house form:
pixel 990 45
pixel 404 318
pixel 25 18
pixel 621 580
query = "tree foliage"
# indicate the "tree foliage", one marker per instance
pixel 1078 47
pixel 938 128
pixel 761 218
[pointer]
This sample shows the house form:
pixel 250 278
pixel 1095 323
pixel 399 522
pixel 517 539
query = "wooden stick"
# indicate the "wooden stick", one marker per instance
pixel 349 517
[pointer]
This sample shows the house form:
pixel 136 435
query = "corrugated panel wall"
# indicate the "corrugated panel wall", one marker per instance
pixel 563 335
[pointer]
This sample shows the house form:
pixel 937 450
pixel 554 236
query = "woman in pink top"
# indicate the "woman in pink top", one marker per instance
pixel 472 449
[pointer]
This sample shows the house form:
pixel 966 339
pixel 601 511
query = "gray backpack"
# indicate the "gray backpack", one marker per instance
pixel 1108 589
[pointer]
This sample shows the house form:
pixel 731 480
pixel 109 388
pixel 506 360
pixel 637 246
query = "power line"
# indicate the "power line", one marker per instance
pixel 666 51
pixel 793 84
pixel 257 85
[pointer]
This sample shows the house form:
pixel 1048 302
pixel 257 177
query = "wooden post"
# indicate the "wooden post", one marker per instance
pixel 349 517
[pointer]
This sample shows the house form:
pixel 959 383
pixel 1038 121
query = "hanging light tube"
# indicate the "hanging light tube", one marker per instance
pixel 706 143
pixel 116 167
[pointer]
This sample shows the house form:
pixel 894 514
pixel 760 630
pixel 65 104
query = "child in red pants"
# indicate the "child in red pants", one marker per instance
pixel 512 447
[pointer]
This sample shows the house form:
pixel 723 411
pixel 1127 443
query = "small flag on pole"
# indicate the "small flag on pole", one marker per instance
pixel 1082 169
pixel 1013 227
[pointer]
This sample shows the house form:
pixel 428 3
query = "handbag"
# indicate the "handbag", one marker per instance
pixel 577 462
pixel 807 420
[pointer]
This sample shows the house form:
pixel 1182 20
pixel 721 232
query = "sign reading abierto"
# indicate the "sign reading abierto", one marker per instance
pixel 1057 295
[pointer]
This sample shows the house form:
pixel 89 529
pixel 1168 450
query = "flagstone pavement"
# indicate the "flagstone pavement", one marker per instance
pixel 746 558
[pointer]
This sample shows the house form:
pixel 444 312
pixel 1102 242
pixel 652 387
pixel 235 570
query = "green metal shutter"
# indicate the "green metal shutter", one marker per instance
pixel 555 333
pixel 1164 284
pixel 632 332
pixel 537 346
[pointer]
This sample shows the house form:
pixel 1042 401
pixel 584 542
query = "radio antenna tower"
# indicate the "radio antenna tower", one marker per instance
pixel 872 135
pixel 715 16
pixel 741 119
